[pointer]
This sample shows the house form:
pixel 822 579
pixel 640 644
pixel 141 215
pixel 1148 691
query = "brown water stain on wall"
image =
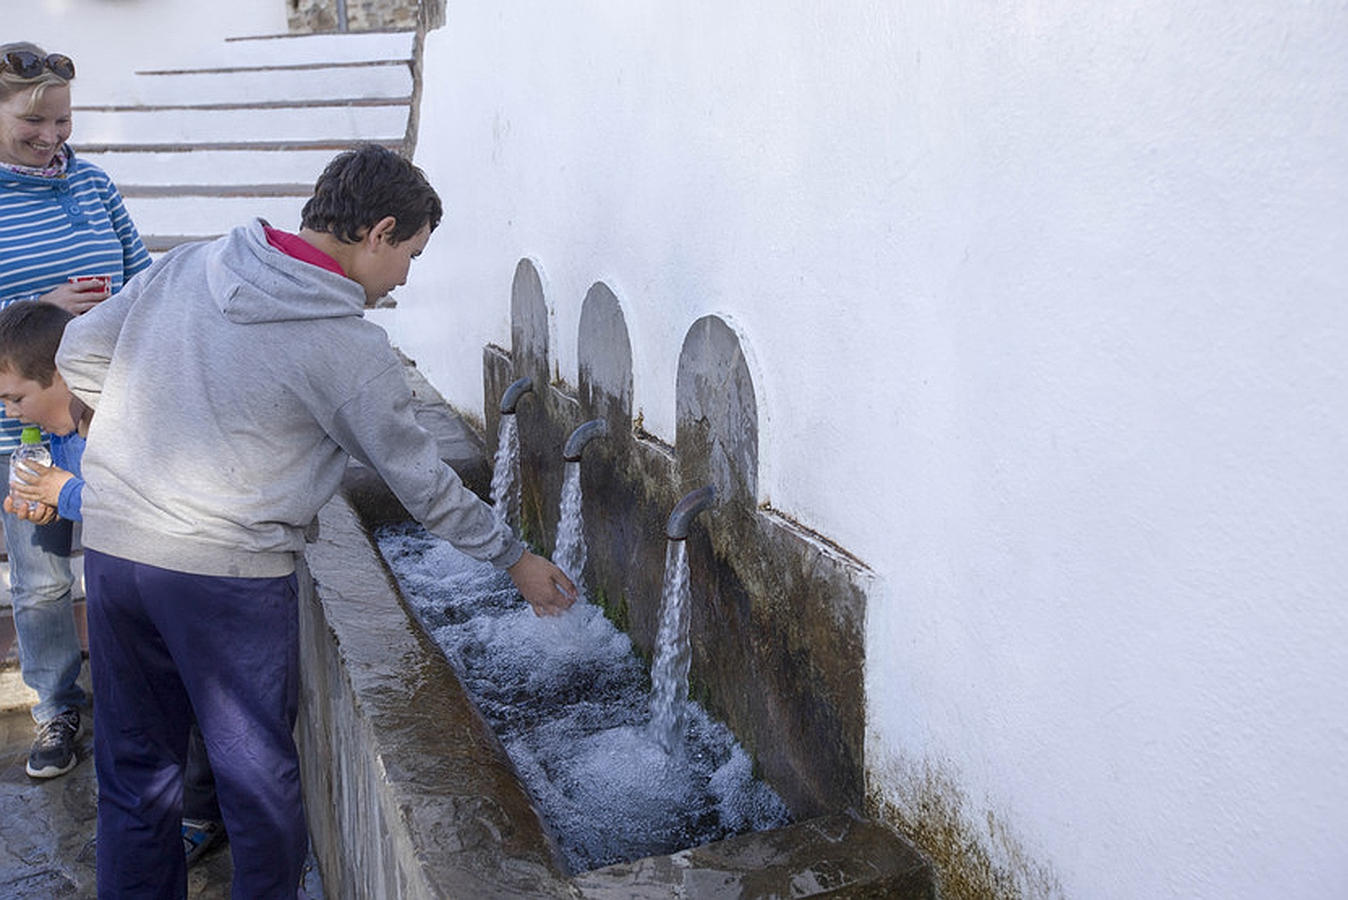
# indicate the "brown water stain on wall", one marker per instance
pixel 975 854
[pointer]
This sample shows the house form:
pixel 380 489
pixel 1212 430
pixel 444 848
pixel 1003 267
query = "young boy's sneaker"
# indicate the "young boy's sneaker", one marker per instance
pixel 53 752
pixel 199 835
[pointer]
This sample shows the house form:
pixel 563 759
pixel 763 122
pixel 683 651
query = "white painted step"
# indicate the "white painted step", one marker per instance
pixel 179 126
pixel 213 167
pixel 210 215
pixel 288 50
pixel 217 136
pixel 197 88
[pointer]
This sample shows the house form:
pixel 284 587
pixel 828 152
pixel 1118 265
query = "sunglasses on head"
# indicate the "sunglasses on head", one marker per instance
pixel 29 65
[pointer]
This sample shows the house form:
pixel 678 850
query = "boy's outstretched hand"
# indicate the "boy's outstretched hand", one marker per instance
pixel 545 586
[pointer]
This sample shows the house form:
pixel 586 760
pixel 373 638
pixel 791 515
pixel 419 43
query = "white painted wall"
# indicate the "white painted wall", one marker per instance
pixel 110 39
pixel 1049 306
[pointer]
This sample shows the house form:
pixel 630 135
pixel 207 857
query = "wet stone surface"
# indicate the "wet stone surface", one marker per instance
pixel 834 856
pixel 47 827
pixel 409 793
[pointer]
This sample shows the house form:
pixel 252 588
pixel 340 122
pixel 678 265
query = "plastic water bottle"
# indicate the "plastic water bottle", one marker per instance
pixel 30 449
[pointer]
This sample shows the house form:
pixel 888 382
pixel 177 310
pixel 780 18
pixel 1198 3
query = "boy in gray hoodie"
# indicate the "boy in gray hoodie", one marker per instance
pixel 232 380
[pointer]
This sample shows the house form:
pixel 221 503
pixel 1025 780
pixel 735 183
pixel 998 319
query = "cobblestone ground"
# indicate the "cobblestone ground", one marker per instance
pixel 47 827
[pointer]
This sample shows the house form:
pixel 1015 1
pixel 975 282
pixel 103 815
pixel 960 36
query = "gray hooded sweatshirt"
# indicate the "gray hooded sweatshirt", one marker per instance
pixel 231 382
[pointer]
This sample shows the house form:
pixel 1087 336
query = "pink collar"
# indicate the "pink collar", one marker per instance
pixel 299 248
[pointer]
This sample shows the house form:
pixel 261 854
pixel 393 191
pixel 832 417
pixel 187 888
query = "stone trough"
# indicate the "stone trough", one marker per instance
pixel 409 794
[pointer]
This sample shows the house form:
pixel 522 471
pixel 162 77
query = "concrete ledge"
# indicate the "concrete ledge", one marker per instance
pixel 333 145
pixel 205 126
pixel 14 694
pixel 832 856
pixel 408 792
pixel 212 168
pixel 212 215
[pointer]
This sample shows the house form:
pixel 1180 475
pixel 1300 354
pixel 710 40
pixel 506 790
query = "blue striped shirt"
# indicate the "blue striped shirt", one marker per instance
pixel 54 228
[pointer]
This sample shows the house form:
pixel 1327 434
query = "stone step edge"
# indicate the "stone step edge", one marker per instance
pixel 295 189
pixel 162 243
pixel 316 34
pixel 293 67
pixel 395 144
pixel 405 100
pixel 14 694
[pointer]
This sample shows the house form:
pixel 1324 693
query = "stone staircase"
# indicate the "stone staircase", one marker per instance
pixel 244 129
pixel 241 132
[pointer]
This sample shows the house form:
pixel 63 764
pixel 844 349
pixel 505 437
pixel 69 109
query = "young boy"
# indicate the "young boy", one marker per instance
pixel 35 394
pixel 233 380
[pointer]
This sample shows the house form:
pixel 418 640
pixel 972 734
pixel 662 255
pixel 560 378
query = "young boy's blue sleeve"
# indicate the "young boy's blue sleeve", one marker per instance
pixel 67 452
pixel 72 493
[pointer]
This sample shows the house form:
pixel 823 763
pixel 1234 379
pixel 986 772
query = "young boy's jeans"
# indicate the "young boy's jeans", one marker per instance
pixel 44 619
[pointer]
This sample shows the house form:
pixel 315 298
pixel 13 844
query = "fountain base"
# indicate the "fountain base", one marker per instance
pixel 410 795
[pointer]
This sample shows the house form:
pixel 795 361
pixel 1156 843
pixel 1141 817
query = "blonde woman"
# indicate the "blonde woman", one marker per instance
pixel 61 222
pixel 60 218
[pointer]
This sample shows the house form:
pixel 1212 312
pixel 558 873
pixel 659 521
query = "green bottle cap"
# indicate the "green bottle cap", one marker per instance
pixel 31 435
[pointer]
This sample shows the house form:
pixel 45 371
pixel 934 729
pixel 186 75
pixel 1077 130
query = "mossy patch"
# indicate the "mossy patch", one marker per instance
pixel 975 855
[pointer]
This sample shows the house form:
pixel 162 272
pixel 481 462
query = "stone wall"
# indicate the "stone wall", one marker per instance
pixel 309 16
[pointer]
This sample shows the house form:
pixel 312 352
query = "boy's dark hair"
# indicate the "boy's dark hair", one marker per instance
pixel 30 332
pixel 362 186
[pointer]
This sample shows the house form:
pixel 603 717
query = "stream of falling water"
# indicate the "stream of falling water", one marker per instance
pixel 669 668
pixel 570 552
pixel 570 702
pixel 505 488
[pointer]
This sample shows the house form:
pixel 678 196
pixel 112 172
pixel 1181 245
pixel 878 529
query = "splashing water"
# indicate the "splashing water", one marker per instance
pixel 505 488
pixel 669 669
pixel 570 553
pixel 568 699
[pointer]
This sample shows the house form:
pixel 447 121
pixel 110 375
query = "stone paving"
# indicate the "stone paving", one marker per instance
pixel 47 827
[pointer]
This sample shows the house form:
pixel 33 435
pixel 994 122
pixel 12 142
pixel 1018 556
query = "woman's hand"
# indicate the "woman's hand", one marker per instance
pixel 76 297
pixel 34 481
pixel 42 515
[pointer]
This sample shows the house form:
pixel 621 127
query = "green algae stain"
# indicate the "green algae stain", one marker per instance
pixel 976 857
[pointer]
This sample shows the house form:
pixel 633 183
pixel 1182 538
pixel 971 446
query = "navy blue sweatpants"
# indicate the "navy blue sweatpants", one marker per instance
pixel 164 645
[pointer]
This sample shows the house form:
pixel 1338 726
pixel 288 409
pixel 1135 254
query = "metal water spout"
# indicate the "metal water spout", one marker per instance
pixel 513 393
pixel 575 445
pixel 684 511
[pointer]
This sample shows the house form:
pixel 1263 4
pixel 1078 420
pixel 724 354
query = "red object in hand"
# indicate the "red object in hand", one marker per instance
pixel 104 281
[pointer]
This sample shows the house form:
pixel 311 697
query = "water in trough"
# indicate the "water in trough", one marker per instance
pixel 571 703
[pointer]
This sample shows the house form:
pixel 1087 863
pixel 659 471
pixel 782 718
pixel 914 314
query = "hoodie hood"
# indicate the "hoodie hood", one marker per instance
pixel 253 282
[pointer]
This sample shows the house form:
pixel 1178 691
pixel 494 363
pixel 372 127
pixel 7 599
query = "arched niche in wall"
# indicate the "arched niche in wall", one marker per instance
pixel 716 413
pixel 540 430
pixel 529 325
pixel 605 352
